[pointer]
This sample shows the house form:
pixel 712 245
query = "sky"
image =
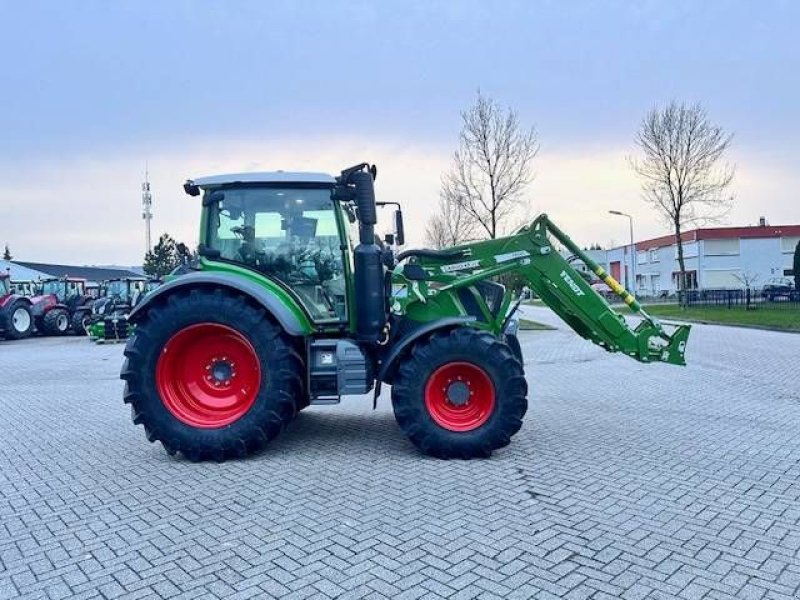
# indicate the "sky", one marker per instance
pixel 94 92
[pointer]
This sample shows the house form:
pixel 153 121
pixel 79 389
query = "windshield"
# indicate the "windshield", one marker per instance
pixel 117 288
pixel 59 287
pixel 289 234
pixel 54 287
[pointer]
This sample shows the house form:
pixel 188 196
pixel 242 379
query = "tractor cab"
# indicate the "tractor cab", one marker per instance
pixel 125 291
pixel 25 288
pixel 284 226
pixel 292 229
pixel 69 291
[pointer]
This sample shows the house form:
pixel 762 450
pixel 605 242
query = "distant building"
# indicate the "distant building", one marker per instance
pixel 715 258
pixel 29 271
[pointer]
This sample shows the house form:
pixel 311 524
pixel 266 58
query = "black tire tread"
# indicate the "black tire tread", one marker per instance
pixel 485 350
pixel 50 322
pixel 274 408
pixel 8 327
pixel 76 322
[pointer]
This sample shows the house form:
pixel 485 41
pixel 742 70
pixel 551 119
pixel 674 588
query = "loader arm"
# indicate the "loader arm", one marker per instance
pixel 428 276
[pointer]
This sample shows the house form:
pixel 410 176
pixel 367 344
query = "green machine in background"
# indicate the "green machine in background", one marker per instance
pixel 108 321
pixel 283 309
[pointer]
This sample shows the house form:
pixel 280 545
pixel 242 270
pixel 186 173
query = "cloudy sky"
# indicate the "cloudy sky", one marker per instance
pixel 90 92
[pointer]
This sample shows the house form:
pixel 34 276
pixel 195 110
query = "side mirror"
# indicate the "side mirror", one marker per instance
pixel 399 232
pixel 190 188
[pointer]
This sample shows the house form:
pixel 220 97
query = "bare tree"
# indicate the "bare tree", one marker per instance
pixel 450 225
pixel 746 278
pixel 681 171
pixel 492 166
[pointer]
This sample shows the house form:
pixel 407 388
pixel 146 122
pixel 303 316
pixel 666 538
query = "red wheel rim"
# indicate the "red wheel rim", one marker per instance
pixel 208 375
pixel 459 396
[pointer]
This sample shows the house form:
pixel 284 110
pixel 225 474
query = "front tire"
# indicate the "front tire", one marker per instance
pixel 80 319
pixel 19 321
pixel 56 322
pixel 460 394
pixel 210 376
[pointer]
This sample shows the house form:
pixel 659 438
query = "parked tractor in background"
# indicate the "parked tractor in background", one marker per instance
pixel 16 318
pixel 109 316
pixel 25 288
pixel 62 306
pixel 280 311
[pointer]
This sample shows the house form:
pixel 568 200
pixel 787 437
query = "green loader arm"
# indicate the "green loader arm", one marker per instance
pixel 531 254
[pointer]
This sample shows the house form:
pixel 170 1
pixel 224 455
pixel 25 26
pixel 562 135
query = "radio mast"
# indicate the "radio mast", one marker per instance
pixel 147 208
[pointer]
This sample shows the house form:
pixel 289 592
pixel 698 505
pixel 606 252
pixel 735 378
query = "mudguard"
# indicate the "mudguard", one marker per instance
pixel 269 301
pixel 386 372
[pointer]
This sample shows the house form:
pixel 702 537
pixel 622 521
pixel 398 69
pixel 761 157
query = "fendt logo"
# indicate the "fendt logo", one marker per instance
pixel 571 283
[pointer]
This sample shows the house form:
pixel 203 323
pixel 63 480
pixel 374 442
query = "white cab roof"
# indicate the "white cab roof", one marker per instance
pixel 264 177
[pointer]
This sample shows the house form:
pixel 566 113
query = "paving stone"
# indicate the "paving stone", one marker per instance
pixel 626 481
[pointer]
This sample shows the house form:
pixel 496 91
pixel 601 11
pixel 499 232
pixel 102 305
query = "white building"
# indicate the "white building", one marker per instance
pixel 715 258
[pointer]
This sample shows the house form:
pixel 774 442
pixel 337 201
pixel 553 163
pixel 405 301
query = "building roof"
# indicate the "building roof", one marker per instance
pixel 264 177
pixel 723 233
pixel 89 273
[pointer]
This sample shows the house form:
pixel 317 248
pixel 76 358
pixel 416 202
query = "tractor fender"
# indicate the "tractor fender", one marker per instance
pixel 10 300
pixel 269 301
pixel 388 364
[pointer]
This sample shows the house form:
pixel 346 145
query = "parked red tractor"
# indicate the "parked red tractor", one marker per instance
pixel 62 306
pixel 16 319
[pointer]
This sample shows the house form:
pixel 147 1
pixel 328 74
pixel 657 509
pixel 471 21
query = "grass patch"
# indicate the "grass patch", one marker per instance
pixel 768 315
pixel 528 325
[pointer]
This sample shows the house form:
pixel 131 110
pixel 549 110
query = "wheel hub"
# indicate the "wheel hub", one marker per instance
pixel 221 372
pixel 460 396
pixel 21 320
pixel 458 393
pixel 208 375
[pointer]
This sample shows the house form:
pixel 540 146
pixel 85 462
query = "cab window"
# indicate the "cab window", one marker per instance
pixel 288 234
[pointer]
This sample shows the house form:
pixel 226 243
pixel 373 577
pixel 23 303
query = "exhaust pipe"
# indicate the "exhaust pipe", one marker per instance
pixel 370 309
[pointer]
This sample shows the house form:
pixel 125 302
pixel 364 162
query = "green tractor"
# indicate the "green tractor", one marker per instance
pixel 109 313
pixel 280 310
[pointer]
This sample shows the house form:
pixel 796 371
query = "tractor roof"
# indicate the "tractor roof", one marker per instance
pixel 65 278
pixel 288 177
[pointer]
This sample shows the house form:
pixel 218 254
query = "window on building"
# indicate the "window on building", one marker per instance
pixel 691 280
pixel 722 279
pixel 689 250
pixel 641 258
pixel 655 283
pixel 729 247
pixel 788 272
pixel 654 256
pixel 788 244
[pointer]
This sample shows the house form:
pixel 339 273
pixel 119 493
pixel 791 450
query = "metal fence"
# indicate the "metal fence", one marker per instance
pixel 748 299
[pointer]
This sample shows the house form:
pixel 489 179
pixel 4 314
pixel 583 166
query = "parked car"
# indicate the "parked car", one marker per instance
pixel 779 287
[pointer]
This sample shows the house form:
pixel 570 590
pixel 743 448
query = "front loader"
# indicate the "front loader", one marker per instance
pixel 281 309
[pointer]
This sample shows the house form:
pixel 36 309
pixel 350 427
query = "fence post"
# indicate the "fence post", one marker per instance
pixel 747 296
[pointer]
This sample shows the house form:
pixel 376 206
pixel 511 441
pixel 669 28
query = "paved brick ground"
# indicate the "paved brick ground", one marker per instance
pixel 627 481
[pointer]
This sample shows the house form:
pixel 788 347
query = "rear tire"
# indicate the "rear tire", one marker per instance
pixel 18 321
pixel 460 394
pixel 56 322
pixel 170 357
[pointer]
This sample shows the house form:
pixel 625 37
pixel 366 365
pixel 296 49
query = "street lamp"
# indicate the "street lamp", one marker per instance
pixel 633 250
